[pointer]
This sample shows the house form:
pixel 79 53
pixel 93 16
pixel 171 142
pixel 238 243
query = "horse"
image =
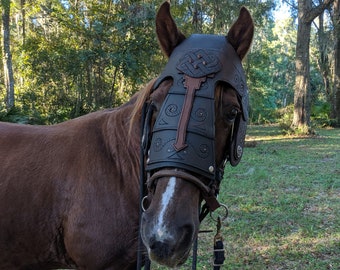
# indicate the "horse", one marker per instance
pixel 70 192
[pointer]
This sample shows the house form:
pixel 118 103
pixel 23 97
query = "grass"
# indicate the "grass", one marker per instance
pixel 284 207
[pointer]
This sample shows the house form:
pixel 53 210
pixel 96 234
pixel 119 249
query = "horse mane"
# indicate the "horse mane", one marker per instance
pixel 141 97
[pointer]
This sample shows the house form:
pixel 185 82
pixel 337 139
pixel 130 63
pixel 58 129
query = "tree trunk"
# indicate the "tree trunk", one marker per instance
pixel 336 74
pixel 7 57
pixel 302 92
pixel 23 14
pixel 301 119
pixel 323 61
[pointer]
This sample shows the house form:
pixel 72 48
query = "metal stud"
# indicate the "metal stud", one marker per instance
pixel 211 169
pixel 239 151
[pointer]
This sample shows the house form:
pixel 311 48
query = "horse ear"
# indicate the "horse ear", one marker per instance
pixel 241 33
pixel 169 36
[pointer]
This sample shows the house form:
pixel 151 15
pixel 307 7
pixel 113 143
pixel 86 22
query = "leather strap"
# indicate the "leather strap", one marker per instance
pixel 191 84
pixel 181 174
pixel 207 192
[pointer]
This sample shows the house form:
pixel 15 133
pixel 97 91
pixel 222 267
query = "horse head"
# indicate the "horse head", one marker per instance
pixel 195 121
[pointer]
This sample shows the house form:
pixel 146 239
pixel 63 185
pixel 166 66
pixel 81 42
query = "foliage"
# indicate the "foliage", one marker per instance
pixel 285 116
pixel 82 56
pixel 271 69
pixel 320 115
pixel 74 57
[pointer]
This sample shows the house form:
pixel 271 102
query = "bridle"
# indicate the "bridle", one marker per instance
pixel 208 192
pixel 182 140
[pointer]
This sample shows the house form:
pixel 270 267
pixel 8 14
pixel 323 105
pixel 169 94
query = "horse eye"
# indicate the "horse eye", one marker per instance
pixel 232 114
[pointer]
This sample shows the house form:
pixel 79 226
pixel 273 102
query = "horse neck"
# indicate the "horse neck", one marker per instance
pixel 124 128
pixel 122 138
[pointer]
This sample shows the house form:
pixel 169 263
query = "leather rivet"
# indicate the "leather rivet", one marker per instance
pixel 239 151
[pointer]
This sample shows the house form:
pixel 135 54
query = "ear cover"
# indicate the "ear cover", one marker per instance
pixel 237 140
pixel 240 37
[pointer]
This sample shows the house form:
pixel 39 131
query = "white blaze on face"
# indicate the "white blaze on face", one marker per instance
pixel 160 228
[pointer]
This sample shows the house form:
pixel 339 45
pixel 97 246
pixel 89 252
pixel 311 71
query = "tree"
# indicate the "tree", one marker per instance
pixel 80 56
pixel 323 59
pixel 302 93
pixel 6 54
pixel 336 73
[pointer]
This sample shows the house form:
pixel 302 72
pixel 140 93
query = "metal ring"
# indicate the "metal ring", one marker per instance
pixel 142 203
pixel 222 218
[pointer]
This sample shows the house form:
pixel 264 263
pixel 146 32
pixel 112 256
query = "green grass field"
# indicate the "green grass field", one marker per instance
pixel 284 204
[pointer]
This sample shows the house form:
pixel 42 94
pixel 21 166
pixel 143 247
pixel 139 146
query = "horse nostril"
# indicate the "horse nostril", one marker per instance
pixel 152 241
pixel 160 248
pixel 188 231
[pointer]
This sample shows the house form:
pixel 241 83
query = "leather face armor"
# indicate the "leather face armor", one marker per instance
pixel 184 132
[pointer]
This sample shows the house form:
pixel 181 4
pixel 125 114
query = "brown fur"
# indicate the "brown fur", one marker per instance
pixel 62 199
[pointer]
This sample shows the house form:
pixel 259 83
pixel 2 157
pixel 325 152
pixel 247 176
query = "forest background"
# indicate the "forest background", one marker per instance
pixel 63 59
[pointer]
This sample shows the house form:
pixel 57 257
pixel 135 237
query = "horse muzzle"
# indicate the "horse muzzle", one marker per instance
pixel 170 224
pixel 168 249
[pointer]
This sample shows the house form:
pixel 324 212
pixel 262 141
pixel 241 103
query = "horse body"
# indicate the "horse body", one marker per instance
pixel 69 193
pixel 62 194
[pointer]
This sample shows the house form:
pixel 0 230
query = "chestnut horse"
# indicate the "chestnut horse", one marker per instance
pixel 69 193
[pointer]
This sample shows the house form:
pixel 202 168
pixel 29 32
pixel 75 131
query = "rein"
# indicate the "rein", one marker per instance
pixel 140 246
